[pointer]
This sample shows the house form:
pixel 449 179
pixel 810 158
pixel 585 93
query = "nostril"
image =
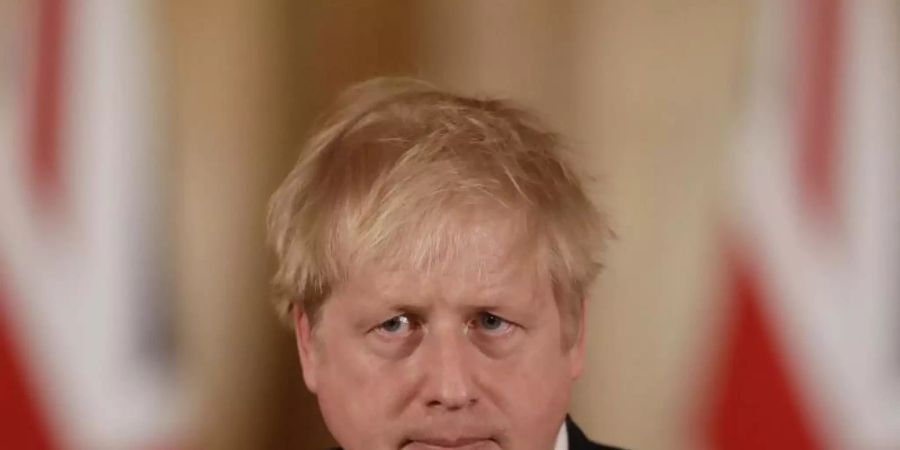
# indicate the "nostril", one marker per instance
pixel 452 405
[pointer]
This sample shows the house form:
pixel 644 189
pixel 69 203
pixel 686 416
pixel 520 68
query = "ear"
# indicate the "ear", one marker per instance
pixel 309 361
pixel 576 352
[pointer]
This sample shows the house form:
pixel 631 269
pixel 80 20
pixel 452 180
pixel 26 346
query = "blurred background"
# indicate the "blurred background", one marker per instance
pixel 747 153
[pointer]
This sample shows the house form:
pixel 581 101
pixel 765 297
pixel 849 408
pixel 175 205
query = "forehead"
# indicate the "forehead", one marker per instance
pixel 463 282
pixel 484 246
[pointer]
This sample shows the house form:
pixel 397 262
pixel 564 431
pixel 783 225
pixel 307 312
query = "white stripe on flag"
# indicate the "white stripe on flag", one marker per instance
pixel 90 273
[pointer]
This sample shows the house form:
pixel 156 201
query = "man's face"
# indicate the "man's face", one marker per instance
pixel 470 358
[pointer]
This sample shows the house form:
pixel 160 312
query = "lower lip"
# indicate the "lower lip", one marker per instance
pixel 485 444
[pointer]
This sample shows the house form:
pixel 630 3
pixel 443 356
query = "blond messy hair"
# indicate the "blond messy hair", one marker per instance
pixel 391 173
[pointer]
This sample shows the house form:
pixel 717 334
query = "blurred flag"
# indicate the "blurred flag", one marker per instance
pixel 810 357
pixel 84 349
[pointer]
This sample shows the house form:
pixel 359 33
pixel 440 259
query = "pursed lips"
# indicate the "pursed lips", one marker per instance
pixel 462 443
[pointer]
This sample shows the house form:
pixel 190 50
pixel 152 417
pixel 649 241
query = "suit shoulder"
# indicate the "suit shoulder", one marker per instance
pixel 579 441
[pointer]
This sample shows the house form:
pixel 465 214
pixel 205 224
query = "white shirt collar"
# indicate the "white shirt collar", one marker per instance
pixel 562 438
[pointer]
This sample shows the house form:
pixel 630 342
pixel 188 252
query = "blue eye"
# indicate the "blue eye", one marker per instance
pixel 493 324
pixel 396 326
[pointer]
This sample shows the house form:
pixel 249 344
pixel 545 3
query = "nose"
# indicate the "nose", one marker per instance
pixel 450 384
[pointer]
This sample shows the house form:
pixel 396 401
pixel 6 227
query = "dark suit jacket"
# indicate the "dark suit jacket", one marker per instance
pixel 577 439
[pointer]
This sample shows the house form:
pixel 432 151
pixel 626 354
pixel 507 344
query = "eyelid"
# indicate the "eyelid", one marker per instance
pixel 508 325
pixel 410 320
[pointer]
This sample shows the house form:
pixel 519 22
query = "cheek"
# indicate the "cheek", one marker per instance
pixel 359 395
pixel 536 370
pixel 533 388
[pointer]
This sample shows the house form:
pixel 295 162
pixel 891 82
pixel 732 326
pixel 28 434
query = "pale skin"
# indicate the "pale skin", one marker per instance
pixel 461 359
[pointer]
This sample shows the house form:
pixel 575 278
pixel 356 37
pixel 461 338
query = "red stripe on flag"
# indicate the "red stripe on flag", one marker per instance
pixel 21 424
pixel 45 128
pixel 818 83
pixel 755 405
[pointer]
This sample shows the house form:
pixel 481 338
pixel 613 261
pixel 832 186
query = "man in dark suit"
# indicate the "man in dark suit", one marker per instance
pixel 434 254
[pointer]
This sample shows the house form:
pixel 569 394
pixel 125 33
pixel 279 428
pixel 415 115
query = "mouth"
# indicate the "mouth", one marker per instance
pixel 462 443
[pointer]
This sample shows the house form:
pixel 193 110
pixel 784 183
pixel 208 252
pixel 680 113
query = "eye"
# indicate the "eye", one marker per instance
pixel 493 324
pixel 397 326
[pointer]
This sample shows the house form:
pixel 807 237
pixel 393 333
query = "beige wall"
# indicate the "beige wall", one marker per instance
pixel 645 89
pixel 657 85
pixel 227 74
